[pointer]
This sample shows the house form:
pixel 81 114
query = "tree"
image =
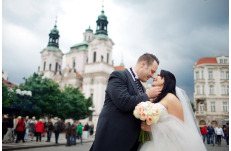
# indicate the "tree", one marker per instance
pixel 192 104
pixel 73 104
pixel 5 96
pixel 45 95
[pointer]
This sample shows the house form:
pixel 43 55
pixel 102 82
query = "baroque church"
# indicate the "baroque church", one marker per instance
pixel 88 64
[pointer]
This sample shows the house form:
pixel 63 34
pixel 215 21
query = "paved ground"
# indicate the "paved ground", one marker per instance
pixel 78 147
pixel 30 145
pixel 51 146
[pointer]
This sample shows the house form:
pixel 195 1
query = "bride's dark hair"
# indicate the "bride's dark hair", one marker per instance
pixel 169 85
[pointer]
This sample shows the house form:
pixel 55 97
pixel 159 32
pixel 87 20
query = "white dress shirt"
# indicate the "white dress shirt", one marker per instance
pixel 132 74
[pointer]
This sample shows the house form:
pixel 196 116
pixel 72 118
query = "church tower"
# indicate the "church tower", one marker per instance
pixel 99 65
pixel 51 56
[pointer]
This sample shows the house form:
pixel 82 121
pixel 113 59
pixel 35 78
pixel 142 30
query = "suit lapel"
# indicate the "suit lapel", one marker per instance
pixel 131 81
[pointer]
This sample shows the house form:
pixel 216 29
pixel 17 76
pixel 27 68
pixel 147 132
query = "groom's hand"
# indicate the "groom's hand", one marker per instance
pixel 153 92
pixel 146 127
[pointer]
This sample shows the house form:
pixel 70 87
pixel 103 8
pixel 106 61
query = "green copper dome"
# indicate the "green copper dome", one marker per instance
pixel 54 30
pixel 102 16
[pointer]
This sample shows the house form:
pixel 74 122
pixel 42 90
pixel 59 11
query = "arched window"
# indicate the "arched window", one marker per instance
pixel 107 57
pixel 50 67
pixel 102 58
pixel 44 65
pixel 73 63
pixel 94 57
pixel 56 66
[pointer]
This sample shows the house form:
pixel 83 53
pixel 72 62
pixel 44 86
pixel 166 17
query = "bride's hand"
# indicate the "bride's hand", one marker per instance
pixel 146 127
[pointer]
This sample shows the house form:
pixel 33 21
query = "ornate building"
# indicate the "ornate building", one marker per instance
pixel 211 96
pixel 88 64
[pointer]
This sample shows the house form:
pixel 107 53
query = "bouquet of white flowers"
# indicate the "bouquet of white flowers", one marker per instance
pixel 148 112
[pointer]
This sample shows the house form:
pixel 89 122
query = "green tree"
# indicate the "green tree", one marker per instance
pixel 73 104
pixel 5 96
pixel 193 108
pixel 45 95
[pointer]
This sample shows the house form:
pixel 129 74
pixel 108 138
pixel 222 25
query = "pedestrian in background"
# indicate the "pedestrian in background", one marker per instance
pixel 210 134
pixel 73 133
pixel 215 136
pixel 20 129
pixel 219 133
pixel 9 124
pixel 27 124
pixel 204 133
pixel 39 128
pixel 4 127
pixel 49 128
pixel 68 133
pixel 80 132
pixel 227 133
pixel 57 130
pixel 32 128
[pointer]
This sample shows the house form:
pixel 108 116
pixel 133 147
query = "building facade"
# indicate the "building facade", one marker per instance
pixel 88 63
pixel 211 85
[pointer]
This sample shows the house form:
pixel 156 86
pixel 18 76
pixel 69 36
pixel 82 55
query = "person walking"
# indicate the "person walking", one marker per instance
pixel 73 133
pixel 204 133
pixel 32 128
pixel 210 134
pixel 219 133
pixel 68 133
pixel 27 124
pixel 20 130
pixel 49 128
pixel 215 136
pixel 57 130
pixel 4 127
pixel 39 128
pixel 10 125
pixel 80 132
pixel 227 133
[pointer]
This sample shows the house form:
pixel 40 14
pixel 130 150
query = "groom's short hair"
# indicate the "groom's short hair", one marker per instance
pixel 149 58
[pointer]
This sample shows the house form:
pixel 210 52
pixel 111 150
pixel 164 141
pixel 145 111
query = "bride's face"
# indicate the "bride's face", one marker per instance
pixel 158 81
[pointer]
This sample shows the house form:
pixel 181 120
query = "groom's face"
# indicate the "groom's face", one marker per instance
pixel 147 71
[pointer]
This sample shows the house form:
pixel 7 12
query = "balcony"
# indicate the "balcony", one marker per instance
pixel 200 113
pixel 199 80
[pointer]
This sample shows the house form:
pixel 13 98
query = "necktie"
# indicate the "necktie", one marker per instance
pixel 137 81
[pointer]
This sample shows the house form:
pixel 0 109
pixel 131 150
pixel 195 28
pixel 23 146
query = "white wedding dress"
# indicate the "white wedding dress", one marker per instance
pixel 172 134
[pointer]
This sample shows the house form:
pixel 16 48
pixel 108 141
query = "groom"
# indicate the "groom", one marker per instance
pixel 117 128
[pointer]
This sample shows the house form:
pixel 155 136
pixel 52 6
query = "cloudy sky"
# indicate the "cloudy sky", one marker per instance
pixel 178 32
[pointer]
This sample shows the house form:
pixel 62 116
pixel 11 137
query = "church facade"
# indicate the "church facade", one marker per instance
pixel 88 64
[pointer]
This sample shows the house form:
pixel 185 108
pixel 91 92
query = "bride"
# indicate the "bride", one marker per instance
pixel 177 129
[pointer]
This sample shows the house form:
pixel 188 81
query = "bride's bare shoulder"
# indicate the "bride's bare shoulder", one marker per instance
pixel 171 99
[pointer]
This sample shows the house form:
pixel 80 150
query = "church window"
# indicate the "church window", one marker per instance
pixel 102 58
pixel 73 63
pixel 92 81
pixel 107 57
pixel 50 67
pixel 94 57
pixel 44 65
pixel 56 66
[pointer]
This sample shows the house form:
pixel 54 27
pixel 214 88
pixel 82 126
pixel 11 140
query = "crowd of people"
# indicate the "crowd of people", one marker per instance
pixel 20 129
pixel 214 134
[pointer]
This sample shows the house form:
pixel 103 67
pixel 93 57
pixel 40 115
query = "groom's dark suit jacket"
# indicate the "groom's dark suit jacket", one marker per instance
pixel 117 128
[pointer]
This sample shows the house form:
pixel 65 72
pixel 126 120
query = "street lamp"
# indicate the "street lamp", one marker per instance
pixel 23 94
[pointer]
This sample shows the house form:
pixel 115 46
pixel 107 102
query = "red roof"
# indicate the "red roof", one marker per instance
pixel 9 84
pixel 119 68
pixel 206 61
